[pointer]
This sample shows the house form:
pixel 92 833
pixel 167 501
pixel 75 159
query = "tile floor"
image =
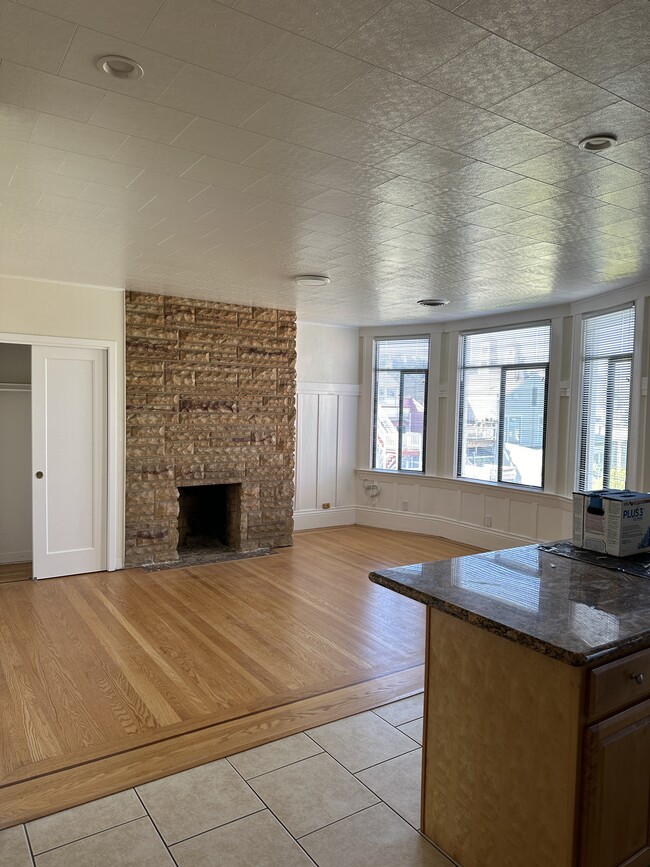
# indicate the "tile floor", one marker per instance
pixel 345 794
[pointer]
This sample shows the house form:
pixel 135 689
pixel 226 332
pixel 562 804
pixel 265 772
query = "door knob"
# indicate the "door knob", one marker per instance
pixel 638 678
pixel 39 475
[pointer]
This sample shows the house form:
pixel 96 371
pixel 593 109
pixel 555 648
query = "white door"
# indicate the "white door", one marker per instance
pixel 69 478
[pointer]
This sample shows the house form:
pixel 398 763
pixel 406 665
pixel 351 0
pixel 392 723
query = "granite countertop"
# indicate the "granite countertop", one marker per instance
pixel 566 609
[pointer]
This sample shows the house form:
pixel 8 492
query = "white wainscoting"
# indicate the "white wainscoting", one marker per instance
pixel 326 436
pixel 489 516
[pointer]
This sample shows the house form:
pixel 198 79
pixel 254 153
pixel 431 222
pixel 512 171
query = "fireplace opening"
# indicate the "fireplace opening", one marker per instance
pixel 208 518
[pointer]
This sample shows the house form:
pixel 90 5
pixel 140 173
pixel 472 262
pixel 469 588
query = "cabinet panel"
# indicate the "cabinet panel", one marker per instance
pixel 616 796
pixel 618 684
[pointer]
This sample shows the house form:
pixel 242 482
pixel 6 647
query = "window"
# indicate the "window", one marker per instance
pixel 607 346
pixel 502 405
pixel 400 403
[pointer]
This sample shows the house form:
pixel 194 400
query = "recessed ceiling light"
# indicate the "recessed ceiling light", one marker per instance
pixel 311 280
pixel 597 142
pixel 433 302
pixel 120 67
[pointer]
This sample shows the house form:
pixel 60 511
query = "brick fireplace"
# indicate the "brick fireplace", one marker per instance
pixel 210 402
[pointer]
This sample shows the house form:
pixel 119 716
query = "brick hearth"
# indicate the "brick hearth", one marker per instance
pixel 210 398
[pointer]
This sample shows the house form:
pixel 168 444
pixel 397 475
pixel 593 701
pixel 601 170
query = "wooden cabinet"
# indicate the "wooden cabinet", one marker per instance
pixel 530 761
pixel 616 791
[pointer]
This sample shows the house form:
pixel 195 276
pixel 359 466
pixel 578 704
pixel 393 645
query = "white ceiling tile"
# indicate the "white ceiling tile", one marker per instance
pixel 300 68
pixel 430 224
pixel 208 34
pixel 385 99
pixel 403 191
pixel 337 202
pixel 147 154
pixel 46 182
pixel 34 156
pixel 489 72
pixel 166 186
pixel 621 119
pixel 17 123
pixel 88 46
pixel 605 180
pixel 559 164
pixel 510 145
pixel 327 23
pixel 283 189
pixel 139 118
pixel 31 38
pixel 425 162
pixel 492 216
pixel 563 205
pixel 451 204
pixel 333 224
pixel 554 101
pixel 385 214
pixel 478 178
pixel 44 92
pixel 224 174
pixel 82 138
pixel 530 24
pixel 606 45
pixel 121 18
pixel 114 197
pixel 290 159
pixel 522 193
pixel 217 97
pixel 452 123
pixel 636 198
pixel 14 196
pixel 351 177
pixel 633 85
pixel 634 229
pixel 411 37
pixel 365 144
pixel 229 203
pixel 63 205
pixel 220 140
pixel 296 122
pixel 633 154
pixel 100 171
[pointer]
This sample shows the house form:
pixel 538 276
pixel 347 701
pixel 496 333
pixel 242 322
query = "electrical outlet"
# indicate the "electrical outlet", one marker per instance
pixel 488 520
pixel 326 505
pixel 405 506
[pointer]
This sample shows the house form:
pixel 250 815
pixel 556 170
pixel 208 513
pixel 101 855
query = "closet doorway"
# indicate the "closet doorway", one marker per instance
pixel 15 462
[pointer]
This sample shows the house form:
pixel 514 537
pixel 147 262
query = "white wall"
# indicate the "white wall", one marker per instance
pixel 327 369
pixel 42 309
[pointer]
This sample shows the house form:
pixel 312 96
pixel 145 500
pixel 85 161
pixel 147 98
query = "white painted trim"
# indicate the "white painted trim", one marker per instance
pixel 16 557
pixel 114 435
pixel 62 282
pixel 457 531
pixel 551 440
pixel 328 388
pixel 633 475
pixel 311 519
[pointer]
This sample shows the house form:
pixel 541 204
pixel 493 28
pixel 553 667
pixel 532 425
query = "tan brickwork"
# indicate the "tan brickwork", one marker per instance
pixel 210 397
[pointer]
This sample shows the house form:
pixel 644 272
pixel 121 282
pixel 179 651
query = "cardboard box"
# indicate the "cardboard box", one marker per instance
pixel 613 522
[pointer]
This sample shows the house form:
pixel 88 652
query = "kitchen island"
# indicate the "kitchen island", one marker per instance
pixel 536 748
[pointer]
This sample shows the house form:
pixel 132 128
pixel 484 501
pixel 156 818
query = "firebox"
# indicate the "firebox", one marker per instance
pixel 209 518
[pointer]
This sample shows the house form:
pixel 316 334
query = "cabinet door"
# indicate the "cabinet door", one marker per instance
pixel 616 792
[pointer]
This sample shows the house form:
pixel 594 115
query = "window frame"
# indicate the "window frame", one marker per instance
pixel 502 368
pixel 581 434
pixel 402 372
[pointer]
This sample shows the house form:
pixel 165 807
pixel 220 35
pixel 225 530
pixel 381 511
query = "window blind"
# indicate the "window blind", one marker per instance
pixel 503 380
pixel 608 345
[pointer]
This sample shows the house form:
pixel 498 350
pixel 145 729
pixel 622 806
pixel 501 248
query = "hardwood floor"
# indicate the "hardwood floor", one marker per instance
pixel 15 572
pixel 110 679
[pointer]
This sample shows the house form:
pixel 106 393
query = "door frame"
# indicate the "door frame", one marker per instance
pixel 114 434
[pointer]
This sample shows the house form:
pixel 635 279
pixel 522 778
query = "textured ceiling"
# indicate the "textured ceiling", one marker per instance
pixel 407 149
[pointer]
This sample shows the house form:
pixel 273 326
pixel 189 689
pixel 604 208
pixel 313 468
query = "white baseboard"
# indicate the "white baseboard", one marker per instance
pixel 457 531
pixel 16 557
pixel 312 519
